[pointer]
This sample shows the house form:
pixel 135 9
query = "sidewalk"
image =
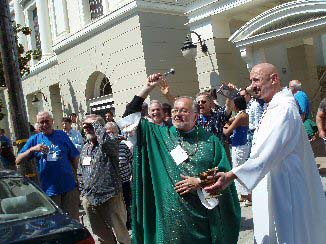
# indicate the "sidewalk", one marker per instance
pixel 321 164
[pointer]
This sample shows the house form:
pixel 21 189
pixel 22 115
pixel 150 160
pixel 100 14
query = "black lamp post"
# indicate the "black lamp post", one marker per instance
pixel 189 49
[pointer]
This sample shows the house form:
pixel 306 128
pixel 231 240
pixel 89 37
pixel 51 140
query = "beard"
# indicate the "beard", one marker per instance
pixel 90 137
pixel 182 125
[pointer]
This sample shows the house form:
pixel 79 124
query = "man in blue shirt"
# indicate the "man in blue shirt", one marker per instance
pixel 301 98
pixel 74 135
pixel 58 161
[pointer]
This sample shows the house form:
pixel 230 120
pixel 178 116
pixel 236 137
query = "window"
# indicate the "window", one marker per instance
pixel 96 8
pixel 105 88
pixel 36 29
pixel 21 200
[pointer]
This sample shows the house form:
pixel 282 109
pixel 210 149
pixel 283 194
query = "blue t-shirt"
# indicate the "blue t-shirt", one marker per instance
pixel 303 101
pixel 56 176
pixel 6 139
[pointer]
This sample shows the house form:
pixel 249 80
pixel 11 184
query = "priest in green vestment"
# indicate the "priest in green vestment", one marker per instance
pixel 166 207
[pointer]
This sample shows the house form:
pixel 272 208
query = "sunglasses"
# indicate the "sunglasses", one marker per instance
pixel 87 127
pixel 202 102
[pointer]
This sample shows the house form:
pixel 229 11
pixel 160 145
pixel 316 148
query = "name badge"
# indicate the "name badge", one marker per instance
pixel 51 157
pixel 179 155
pixel 87 161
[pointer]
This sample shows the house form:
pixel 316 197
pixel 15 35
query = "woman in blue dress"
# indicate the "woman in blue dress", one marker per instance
pixel 238 126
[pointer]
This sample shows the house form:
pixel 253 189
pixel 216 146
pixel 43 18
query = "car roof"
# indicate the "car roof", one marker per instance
pixel 9 173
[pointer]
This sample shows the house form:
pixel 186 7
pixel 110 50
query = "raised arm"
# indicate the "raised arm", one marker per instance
pixel 165 89
pixel 136 104
pixel 152 82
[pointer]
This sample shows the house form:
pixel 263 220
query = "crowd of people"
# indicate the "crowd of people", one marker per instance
pixel 178 172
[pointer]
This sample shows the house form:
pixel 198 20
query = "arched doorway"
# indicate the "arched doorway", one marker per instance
pixel 99 94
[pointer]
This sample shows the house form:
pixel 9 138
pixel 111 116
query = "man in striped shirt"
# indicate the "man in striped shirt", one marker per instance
pixel 125 161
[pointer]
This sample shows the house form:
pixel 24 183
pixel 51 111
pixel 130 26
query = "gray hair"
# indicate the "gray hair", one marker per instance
pixel 49 114
pixel 206 94
pixel 154 102
pixel 194 103
pixel 113 126
pixel 296 84
pixel 98 118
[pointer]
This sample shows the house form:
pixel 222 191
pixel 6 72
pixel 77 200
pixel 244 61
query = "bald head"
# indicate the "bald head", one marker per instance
pixel 266 69
pixel 265 81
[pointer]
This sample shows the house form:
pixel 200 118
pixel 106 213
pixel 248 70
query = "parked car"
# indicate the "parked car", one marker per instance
pixel 27 215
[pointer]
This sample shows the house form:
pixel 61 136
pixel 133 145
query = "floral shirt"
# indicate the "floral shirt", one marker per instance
pixel 99 165
pixel 255 110
pixel 215 122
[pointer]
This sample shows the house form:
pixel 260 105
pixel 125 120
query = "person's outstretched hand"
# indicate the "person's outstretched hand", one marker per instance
pixel 165 89
pixel 223 180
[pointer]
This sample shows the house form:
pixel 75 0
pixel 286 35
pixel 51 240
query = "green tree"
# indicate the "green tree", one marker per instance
pixel 24 57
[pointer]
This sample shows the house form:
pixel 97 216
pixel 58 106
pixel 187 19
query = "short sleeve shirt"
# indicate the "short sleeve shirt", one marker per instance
pixel 56 174
pixel 303 101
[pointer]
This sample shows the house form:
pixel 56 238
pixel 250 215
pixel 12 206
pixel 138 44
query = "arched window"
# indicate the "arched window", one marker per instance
pixel 105 87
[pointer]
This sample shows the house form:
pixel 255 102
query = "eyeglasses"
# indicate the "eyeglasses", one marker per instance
pixel 201 101
pixel 180 111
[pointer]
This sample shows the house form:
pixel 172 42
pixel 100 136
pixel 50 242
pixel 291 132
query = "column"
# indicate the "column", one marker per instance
pixel 323 43
pixel 61 17
pixel 45 29
pixel 302 63
pixel 20 19
pixel 222 62
pixel 84 11
pixel 106 7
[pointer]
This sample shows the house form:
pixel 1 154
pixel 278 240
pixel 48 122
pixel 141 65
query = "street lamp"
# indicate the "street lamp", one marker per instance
pixel 35 99
pixel 189 49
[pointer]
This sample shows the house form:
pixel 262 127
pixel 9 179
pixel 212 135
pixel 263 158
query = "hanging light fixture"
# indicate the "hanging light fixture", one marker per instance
pixel 189 49
pixel 36 100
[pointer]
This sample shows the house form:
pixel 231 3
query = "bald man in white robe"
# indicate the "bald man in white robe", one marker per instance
pixel 289 205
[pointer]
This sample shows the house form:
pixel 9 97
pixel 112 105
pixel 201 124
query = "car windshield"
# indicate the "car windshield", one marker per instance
pixel 19 199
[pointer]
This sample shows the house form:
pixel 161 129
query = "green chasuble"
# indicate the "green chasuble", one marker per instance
pixel 159 213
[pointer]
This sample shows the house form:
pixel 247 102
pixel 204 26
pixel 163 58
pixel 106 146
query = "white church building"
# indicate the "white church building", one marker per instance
pixel 97 54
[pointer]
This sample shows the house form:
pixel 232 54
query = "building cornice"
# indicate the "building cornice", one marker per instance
pixel 42 65
pixel 289 18
pixel 128 9
pixel 203 9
